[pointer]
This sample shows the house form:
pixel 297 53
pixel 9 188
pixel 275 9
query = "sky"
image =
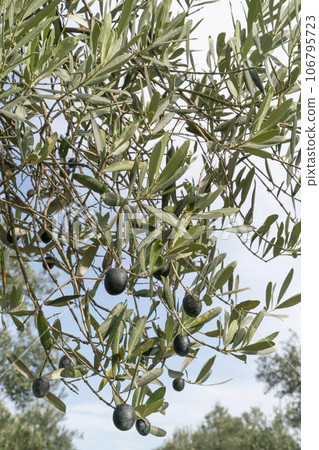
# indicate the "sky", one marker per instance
pixel 187 408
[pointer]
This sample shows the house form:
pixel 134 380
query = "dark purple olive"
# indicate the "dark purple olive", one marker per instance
pixel 178 384
pixel 143 426
pixel 181 345
pixel 46 235
pixel 40 387
pixel 162 272
pixel 124 417
pixel 191 306
pixel 51 261
pixel 115 281
pixel 65 361
pixel 10 237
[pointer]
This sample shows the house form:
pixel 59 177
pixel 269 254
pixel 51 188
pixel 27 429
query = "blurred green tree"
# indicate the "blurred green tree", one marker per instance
pixel 280 372
pixel 220 430
pixel 24 422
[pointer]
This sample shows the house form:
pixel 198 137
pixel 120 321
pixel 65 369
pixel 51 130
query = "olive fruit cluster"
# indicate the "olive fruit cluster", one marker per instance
pixel 124 417
pixel 115 282
pixel 116 279
pixel 41 385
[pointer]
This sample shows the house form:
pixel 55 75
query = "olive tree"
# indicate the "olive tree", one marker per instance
pixel 103 115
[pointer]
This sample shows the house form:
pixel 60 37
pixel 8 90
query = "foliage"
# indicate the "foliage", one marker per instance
pixel 37 428
pixel 114 86
pixel 34 424
pixel 280 372
pixel 220 430
pixel 16 387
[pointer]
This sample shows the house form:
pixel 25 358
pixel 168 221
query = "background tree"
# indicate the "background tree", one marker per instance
pixel 221 430
pixel 36 428
pixel 113 186
pixel 31 424
pixel 281 373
